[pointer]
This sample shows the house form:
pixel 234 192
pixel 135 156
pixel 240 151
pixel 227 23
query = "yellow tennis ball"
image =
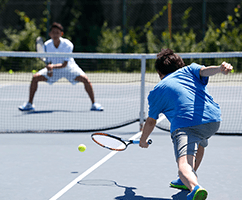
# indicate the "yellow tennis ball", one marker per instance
pixel 82 147
pixel 10 71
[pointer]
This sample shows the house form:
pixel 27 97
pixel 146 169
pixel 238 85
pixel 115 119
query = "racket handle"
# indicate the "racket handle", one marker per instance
pixel 149 141
pixel 137 141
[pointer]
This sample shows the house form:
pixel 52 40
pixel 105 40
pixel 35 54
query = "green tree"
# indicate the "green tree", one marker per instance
pixel 23 40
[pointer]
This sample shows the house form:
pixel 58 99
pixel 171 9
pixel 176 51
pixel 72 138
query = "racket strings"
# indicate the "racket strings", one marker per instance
pixel 109 142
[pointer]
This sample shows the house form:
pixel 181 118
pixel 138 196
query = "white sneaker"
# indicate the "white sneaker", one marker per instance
pixel 97 107
pixel 26 107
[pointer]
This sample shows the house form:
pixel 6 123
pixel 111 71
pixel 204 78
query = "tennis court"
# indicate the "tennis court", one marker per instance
pixel 67 104
pixel 39 155
pixel 66 108
pixel 39 166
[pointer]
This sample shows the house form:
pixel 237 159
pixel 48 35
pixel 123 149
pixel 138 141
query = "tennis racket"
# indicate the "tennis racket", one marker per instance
pixel 112 142
pixel 40 47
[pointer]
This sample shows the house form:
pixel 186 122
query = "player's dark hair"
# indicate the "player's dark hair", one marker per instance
pixel 56 25
pixel 168 62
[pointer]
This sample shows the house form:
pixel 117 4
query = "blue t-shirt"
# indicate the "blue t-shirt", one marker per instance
pixel 183 98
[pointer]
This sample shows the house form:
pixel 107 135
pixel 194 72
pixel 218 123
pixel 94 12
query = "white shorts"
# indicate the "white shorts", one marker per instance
pixel 68 72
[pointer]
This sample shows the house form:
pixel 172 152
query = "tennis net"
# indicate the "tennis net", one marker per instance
pixel 121 83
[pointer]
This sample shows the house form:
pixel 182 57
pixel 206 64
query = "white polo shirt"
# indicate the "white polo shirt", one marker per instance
pixel 70 72
pixel 65 46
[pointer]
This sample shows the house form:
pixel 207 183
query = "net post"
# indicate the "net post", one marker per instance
pixel 142 91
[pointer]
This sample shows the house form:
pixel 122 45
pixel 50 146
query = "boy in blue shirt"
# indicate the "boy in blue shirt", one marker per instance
pixel 182 97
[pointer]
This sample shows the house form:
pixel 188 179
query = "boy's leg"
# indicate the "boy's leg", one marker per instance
pixel 199 157
pixel 87 85
pixel 28 106
pixel 186 171
pixel 34 85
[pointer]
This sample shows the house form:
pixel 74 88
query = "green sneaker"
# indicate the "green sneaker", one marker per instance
pixel 178 184
pixel 197 194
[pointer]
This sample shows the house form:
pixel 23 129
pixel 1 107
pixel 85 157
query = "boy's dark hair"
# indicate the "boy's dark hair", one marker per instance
pixel 56 25
pixel 168 62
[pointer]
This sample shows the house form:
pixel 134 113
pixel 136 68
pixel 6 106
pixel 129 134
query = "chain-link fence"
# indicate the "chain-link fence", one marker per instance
pixel 83 19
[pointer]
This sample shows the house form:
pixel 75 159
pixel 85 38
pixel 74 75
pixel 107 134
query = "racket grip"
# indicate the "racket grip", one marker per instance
pixel 137 141
pixel 149 141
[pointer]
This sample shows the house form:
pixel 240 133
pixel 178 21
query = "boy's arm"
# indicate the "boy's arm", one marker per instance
pixel 148 128
pixel 224 68
pixel 50 66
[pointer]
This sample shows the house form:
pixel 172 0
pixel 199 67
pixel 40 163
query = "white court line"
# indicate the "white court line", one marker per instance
pixel 162 117
pixel 95 166
pixel 91 169
pixel 4 85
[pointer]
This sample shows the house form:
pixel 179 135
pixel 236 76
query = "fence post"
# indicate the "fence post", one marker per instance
pixel 170 17
pixel 204 18
pixel 48 18
pixel 142 91
pixel 124 26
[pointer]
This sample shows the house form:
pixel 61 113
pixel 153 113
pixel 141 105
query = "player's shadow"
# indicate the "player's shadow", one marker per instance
pixel 181 195
pixel 129 193
pixel 54 111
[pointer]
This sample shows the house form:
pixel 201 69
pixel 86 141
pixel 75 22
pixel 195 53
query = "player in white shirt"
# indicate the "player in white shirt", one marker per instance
pixel 59 68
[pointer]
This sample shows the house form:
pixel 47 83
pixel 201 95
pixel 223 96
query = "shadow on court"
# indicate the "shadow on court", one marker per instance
pixel 53 111
pixel 182 195
pixel 129 192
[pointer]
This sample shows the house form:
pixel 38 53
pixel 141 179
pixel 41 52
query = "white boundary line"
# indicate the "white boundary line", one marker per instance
pixel 5 85
pixel 162 117
pixel 95 166
pixel 88 171
pixel 83 175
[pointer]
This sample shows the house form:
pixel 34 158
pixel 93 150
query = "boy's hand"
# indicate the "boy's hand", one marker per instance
pixel 50 69
pixel 226 68
pixel 143 143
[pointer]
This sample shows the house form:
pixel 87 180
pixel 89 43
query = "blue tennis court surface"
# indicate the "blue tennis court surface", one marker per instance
pixel 66 107
pixel 39 166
